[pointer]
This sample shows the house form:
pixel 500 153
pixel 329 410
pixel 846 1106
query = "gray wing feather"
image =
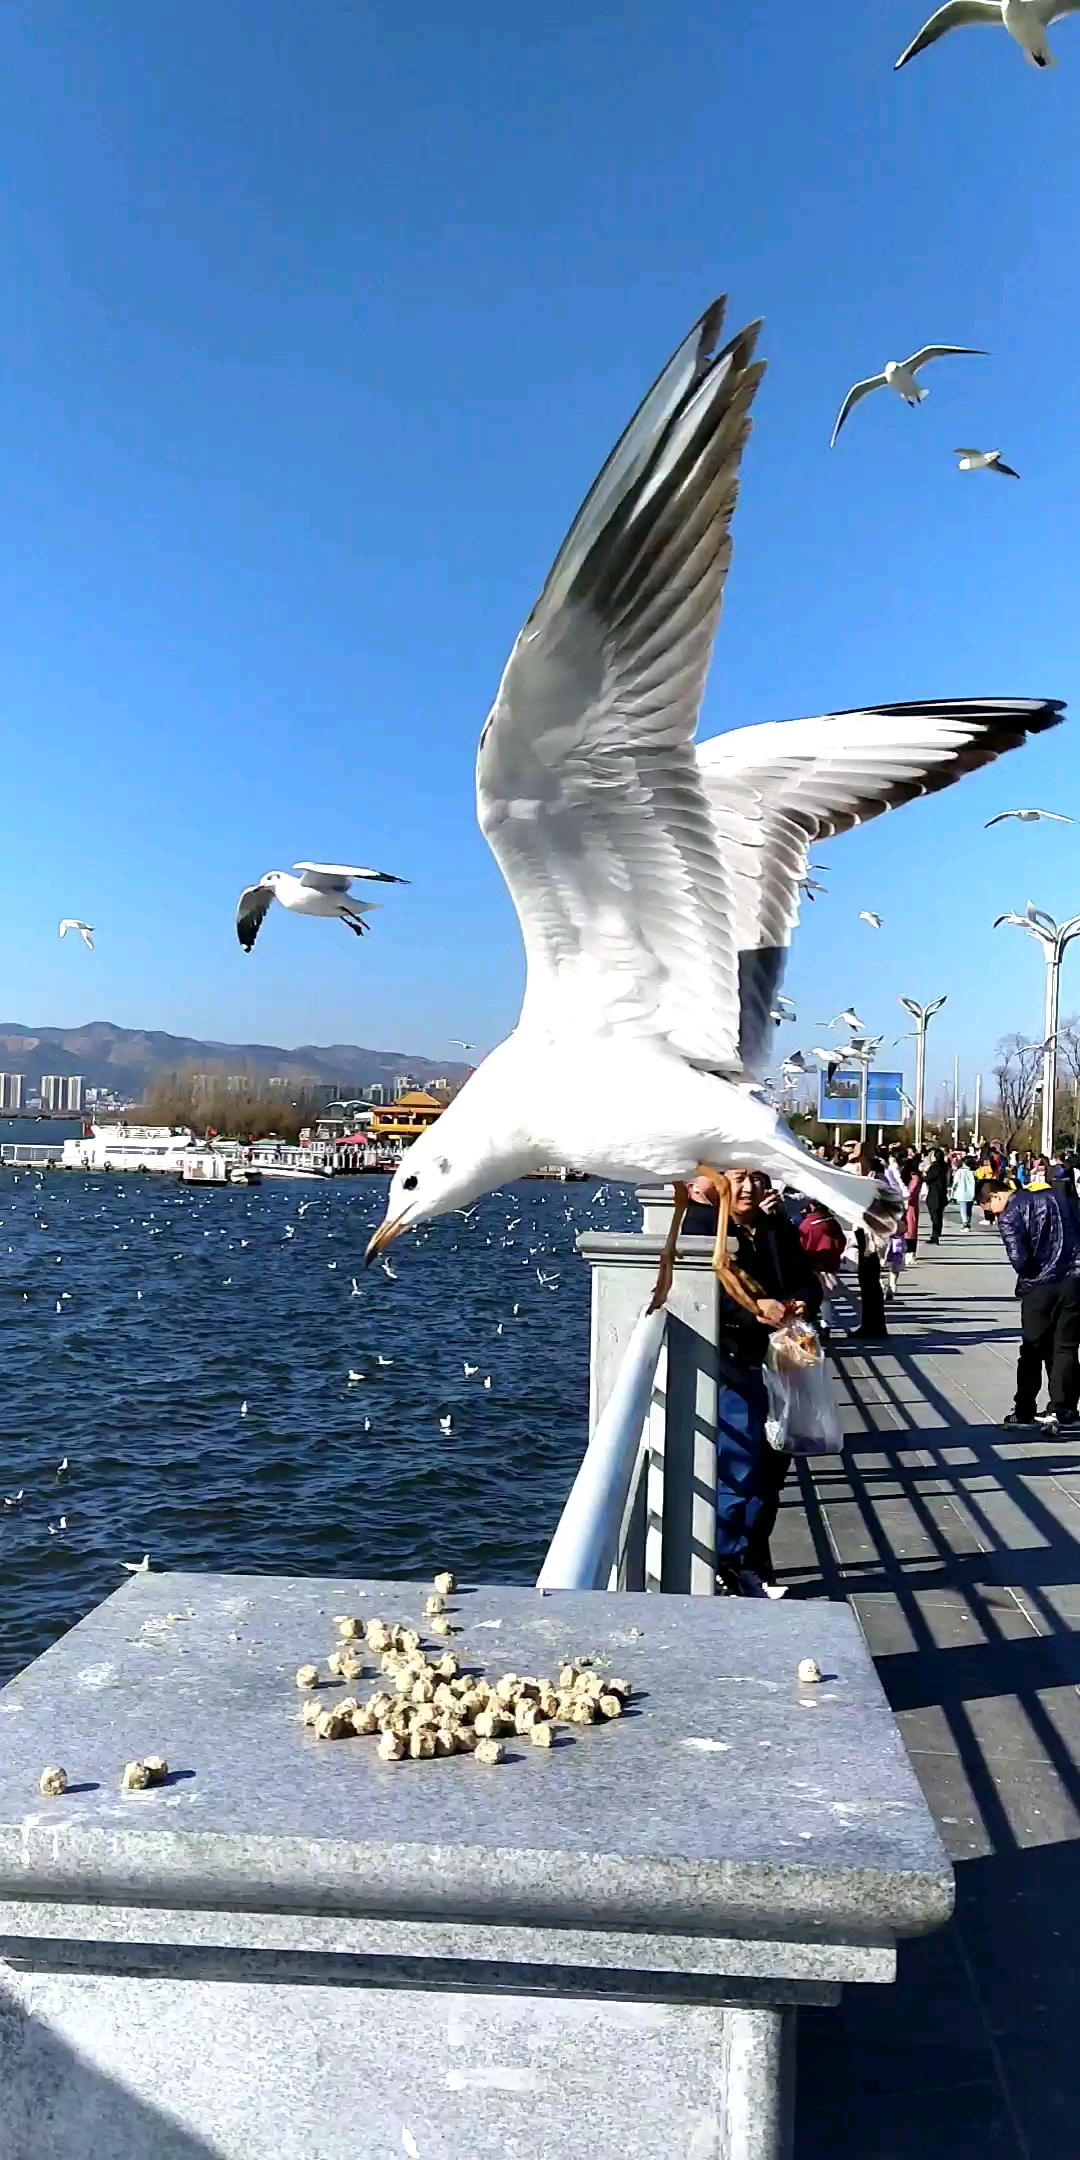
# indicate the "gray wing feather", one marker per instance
pixel 858 390
pixel 587 783
pixel 777 790
pixel 955 15
pixel 250 911
pixel 940 352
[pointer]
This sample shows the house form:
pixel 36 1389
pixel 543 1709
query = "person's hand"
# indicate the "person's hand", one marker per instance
pixel 769 1201
pixel 772 1312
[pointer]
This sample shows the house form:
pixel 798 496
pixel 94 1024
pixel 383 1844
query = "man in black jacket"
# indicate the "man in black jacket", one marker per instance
pixel 1040 1230
pixel 749 1473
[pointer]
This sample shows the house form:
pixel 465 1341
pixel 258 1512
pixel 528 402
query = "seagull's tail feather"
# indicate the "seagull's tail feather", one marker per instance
pixel 861 1203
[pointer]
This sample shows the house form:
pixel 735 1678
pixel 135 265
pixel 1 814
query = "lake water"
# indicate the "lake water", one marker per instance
pixel 138 1317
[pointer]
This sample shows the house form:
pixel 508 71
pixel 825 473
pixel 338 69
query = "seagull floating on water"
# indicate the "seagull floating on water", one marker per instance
pixel 1025 20
pixel 323 889
pixel 899 375
pixel 137 1567
pixel 657 881
pixel 984 461
pixel 1029 817
pixel 85 929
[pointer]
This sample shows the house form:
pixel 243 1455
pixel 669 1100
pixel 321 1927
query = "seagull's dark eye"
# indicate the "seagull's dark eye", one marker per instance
pixel 410 1183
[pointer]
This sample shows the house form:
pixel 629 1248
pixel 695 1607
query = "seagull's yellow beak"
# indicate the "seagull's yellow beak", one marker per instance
pixel 384 1236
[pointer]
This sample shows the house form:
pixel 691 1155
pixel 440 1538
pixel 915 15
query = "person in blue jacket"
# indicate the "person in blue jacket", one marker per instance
pixel 1040 1230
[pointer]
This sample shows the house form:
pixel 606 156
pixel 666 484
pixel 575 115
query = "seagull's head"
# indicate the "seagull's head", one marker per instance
pixel 465 1154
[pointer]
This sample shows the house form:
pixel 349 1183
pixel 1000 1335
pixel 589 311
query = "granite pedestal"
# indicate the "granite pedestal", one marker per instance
pixel 294 1951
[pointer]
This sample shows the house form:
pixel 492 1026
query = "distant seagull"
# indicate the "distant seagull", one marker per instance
pixel 1030 817
pixel 445 1424
pixel 354 1376
pixel 795 1063
pixel 850 1019
pixel 85 929
pixel 62 1468
pixel 137 1567
pixel 811 888
pixel 457 1044
pixel 1025 20
pixel 782 1011
pixel 355 1291
pixel 899 375
pixel 470 1370
pixel 867 915
pixel 244 1407
pixel 322 890
pixel 985 460
pixel 830 1059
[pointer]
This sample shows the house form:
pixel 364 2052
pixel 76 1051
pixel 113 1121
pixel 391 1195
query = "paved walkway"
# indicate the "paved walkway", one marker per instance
pixel 959 1547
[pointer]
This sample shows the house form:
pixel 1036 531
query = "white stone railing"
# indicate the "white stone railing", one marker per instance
pixel 641 1514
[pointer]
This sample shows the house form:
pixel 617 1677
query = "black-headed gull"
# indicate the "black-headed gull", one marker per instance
pixel 322 889
pixel 1025 20
pixel 85 929
pixel 899 375
pixel 984 461
pixel 1030 817
pixel 657 880
pixel 867 915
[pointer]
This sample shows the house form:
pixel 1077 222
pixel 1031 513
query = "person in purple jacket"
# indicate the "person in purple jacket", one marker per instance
pixel 1040 1230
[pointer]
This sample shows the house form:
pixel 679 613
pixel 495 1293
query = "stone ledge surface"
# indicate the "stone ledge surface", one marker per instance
pixel 798 1815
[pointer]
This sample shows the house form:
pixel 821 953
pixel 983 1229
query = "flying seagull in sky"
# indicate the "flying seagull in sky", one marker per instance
pixel 867 915
pixel 1030 817
pixel 984 461
pixel 899 375
pixel 657 880
pixel 1025 20
pixel 324 889
pixel 85 929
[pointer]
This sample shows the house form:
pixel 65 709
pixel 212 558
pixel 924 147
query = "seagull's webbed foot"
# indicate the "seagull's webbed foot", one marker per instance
pixel 666 1271
pixel 730 1278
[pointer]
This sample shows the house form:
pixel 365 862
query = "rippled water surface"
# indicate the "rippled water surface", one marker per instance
pixel 139 1317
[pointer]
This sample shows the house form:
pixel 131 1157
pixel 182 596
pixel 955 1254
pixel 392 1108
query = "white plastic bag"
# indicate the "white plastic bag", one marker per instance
pixel 802 1417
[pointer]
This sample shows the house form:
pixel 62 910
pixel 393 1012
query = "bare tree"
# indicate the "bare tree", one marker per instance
pixel 1068 1044
pixel 1016 1071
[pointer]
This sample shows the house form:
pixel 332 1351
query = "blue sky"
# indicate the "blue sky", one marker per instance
pixel 316 324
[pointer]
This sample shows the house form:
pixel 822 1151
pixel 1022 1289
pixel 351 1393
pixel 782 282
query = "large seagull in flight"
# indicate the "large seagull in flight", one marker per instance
pixel 657 880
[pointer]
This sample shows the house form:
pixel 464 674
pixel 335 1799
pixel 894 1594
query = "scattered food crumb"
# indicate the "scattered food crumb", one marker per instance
pixel 53 1782
pixel 489 1751
pixel 157 1767
pixel 308 1676
pixel 136 1777
pixel 809 1672
pixel 445 1583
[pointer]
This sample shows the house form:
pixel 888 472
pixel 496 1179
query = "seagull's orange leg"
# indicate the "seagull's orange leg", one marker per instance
pixel 666 1271
pixel 727 1274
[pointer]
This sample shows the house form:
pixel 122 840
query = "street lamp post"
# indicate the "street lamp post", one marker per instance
pixel 922 1016
pixel 1053 937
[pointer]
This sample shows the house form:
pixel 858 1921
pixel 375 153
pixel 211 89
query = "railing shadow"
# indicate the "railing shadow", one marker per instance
pixel 959 1546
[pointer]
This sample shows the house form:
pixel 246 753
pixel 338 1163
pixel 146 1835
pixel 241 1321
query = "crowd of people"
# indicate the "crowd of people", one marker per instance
pixel 791 1249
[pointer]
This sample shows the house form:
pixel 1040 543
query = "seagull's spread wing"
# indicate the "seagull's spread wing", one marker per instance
pixel 337 877
pixel 1052 10
pixel 857 391
pixel 998 464
pixel 955 15
pixel 941 352
pixel 250 910
pixel 777 790
pixel 588 788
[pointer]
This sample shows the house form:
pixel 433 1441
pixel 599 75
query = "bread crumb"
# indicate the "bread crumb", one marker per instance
pixel 136 1777
pixel 442 1625
pixel 809 1672
pixel 348 1628
pixel 540 1733
pixel 489 1751
pixel 444 1583
pixel 157 1767
pixel 391 1747
pixel 610 1706
pixel 436 1603
pixel 53 1782
pixel 308 1676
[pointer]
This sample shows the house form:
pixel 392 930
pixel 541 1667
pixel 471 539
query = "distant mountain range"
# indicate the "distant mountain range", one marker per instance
pixel 128 1060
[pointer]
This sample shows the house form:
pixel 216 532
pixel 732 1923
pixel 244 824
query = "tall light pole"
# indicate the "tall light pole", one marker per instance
pixel 1053 937
pixel 922 1016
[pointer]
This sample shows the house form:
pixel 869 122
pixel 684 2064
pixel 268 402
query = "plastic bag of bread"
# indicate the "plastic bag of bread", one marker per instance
pixel 802 1416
